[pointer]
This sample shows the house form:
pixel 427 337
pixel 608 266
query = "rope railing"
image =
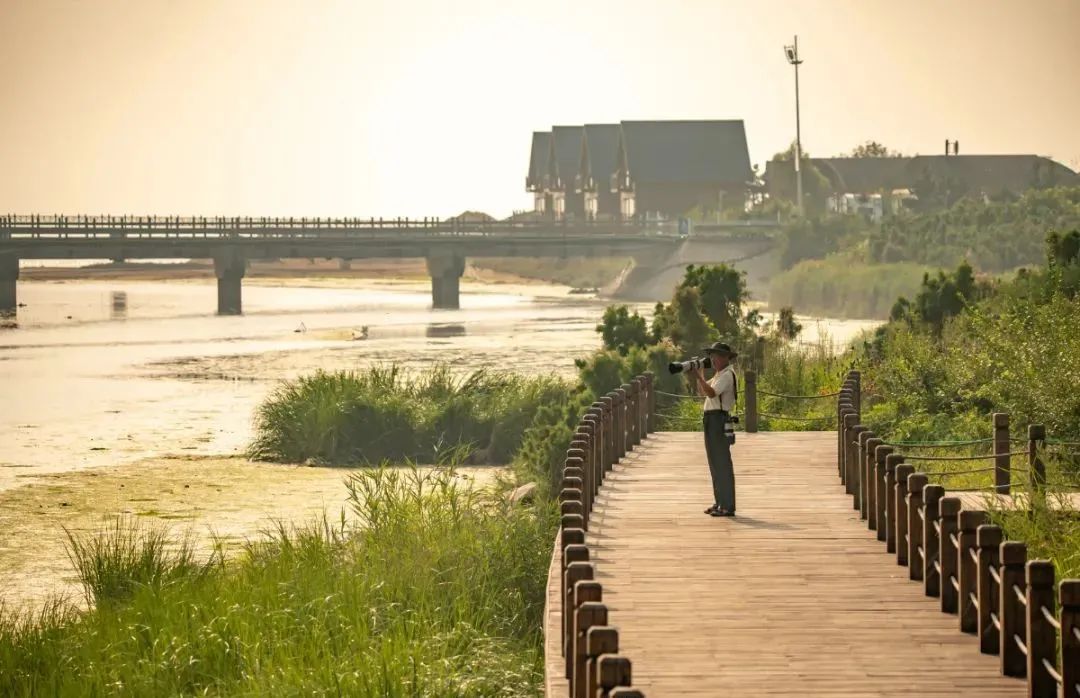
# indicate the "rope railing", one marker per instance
pixel 960 558
pixel 797 397
pixel 610 428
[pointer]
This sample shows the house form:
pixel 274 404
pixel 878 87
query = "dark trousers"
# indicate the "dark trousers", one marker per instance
pixel 718 451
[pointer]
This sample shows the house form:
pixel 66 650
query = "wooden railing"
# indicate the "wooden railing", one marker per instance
pixel 1001 597
pixel 610 428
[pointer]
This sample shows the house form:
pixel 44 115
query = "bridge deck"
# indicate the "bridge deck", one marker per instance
pixel 792 597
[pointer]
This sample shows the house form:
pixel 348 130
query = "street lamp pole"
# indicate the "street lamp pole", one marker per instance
pixel 792 53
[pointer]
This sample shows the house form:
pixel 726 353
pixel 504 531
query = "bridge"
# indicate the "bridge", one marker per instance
pixel 232 242
pixel 849 570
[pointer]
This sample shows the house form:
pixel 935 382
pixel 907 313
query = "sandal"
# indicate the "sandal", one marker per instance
pixel 711 511
pixel 721 512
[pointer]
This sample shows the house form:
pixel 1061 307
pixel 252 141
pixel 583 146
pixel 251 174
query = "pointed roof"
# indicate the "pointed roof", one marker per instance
pixel 685 151
pixel 566 153
pixel 538 158
pixel 600 152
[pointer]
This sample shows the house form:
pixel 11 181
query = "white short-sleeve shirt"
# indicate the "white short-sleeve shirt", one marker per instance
pixel 724 385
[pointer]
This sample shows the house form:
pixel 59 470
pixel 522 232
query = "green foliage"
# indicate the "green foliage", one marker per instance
pixel 873 149
pixel 707 305
pixel 622 330
pixel 994 237
pixel 941 297
pixel 128 555
pixel 437 590
pixel 842 286
pixel 383 414
pixel 816 237
pixel 786 325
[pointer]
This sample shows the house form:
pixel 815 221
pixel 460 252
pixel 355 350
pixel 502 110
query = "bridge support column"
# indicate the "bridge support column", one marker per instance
pixel 9 277
pixel 229 266
pixel 446 271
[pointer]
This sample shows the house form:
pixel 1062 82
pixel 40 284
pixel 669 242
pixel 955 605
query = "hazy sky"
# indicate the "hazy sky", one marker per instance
pixel 321 107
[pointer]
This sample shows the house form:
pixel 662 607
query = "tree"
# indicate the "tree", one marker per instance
pixel 786 326
pixel 723 293
pixel 622 330
pixel 873 149
pixel 816 187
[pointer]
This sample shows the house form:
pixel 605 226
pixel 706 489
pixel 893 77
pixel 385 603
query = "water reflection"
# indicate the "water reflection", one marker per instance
pixel 441 330
pixel 119 305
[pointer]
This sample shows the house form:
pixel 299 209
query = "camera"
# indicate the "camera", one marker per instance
pixel 729 429
pixel 690 365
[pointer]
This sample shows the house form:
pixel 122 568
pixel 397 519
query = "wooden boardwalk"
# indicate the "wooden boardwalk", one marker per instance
pixel 794 596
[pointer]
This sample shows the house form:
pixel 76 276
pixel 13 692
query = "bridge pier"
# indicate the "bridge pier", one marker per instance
pixel 446 271
pixel 9 277
pixel 229 266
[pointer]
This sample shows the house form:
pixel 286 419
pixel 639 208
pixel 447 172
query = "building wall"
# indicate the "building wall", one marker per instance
pixel 675 200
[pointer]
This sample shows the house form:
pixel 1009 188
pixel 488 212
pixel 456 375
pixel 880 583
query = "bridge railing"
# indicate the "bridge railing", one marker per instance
pixel 1000 596
pixel 610 428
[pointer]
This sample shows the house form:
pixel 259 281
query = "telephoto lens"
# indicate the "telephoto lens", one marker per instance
pixel 689 365
pixel 729 429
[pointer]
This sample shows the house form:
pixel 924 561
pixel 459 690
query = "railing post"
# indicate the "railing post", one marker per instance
pixel 750 401
pixel 866 479
pixel 856 378
pixel 908 496
pixel 851 420
pixel 1001 449
pixel 589 614
pixel 988 538
pixel 635 386
pixel 1036 468
pixel 576 567
pixel 1013 557
pixel 843 404
pixel 601 639
pixel 891 461
pixel 968 569
pixel 614 672
pixel 608 431
pixel 574 475
pixel 1069 596
pixel 625 396
pixel 932 495
pixel 859 434
pixel 651 410
pixel 878 493
pixel 948 515
pixel 1041 635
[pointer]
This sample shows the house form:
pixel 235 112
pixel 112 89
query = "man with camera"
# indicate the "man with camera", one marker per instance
pixel 721 391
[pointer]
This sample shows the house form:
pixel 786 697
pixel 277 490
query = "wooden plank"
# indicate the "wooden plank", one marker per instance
pixel 794 596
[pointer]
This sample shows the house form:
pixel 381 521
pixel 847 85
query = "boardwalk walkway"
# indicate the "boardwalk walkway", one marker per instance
pixel 792 597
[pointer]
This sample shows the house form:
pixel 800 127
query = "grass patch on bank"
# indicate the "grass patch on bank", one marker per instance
pixel 437 589
pixel 845 286
pixel 576 272
pixel 385 414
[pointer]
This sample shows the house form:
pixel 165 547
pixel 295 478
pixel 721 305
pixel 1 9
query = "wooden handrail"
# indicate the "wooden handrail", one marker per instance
pixel 609 429
pixel 999 595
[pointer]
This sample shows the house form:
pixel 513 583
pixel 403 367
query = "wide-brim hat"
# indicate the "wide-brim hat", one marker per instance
pixel 721 349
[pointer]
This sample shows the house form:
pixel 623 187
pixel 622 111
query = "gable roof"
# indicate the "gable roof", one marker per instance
pixel 600 152
pixel 566 153
pixel 538 159
pixel 863 174
pixel 685 151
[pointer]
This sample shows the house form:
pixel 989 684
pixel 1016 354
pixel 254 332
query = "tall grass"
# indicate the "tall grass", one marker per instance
pixel 844 285
pixel 789 368
pixel 383 413
pixel 438 590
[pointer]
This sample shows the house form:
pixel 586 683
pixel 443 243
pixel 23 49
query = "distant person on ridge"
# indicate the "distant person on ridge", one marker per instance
pixel 720 392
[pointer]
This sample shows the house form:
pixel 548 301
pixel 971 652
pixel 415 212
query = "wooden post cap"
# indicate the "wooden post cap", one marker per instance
pixel 1013 553
pixel 602 639
pixel 1001 420
pixel 849 420
pixel 1069 593
pixel 614 671
pixel 573 536
pixel 949 506
pixel 571 507
pixel 916 482
pixel 932 494
pixel 882 452
pixel 575 461
pixel 1040 574
pixel 872 443
pixel 892 460
pixel 576 452
pixel 971 520
pixel 590 613
pixel 571 488
pixel 572 473
pixel 574 553
pixel 587 590
pixel 571 521
pixel 903 471
pixel 988 536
